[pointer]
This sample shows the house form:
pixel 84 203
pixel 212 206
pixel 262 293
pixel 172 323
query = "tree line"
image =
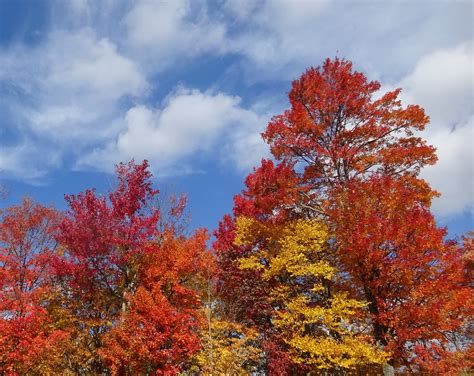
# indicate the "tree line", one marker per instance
pixel 331 262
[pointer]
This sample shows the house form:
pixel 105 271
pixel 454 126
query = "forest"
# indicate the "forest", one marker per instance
pixel 331 262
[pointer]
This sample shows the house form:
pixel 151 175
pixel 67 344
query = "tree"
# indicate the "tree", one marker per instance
pixel 320 327
pixel 28 337
pixel 228 348
pixel 339 132
pixel 240 293
pixel 159 331
pixel 412 279
pixel 360 160
pixel 352 161
pixel 243 293
pixel 257 273
pixel 129 282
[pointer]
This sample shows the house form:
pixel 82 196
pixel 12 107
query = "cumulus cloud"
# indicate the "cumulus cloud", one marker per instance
pixel 190 124
pixel 442 82
pixel 74 80
pixel 279 38
pixel 81 80
pixel 64 94
pixel 453 175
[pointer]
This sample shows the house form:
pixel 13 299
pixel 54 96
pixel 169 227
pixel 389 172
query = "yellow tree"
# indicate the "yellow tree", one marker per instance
pixel 228 349
pixel 321 327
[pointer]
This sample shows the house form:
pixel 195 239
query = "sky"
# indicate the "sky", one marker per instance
pixel 190 85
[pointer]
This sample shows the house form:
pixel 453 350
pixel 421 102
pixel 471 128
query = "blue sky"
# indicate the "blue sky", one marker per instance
pixel 189 85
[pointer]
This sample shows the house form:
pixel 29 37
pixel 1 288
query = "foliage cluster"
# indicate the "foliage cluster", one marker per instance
pixel 331 263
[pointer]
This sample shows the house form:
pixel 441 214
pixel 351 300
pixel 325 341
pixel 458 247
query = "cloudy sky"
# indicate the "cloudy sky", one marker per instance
pixel 189 85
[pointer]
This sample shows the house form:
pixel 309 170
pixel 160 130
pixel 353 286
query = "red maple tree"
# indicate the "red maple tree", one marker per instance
pixel 131 281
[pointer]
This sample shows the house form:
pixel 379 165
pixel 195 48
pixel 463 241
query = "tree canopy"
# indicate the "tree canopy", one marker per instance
pixel 331 261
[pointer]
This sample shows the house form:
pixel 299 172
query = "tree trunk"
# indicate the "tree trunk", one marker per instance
pixel 388 370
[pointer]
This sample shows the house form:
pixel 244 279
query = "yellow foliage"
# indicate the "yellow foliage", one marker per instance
pixel 229 349
pixel 320 327
pixel 75 351
pixel 251 262
pixel 327 352
pixel 295 244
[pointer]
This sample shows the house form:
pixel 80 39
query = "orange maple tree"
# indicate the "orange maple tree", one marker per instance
pixel 401 265
pixel 350 156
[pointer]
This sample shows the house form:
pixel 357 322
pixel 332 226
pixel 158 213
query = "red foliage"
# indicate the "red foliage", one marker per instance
pixel 114 285
pixel 337 129
pixel 352 161
pixel 135 279
pixel 242 290
pixel 412 279
pixel 271 194
pixel 26 247
pixel 159 329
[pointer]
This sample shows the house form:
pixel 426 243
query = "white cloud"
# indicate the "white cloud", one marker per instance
pixel 63 95
pixel 282 38
pixel 276 36
pixel 27 162
pixel 162 32
pixel 83 78
pixel 79 7
pixel 191 125
pixel 247 149
pixel 279 38
pixel 453 175
pixel 75 81
pixel 442 82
